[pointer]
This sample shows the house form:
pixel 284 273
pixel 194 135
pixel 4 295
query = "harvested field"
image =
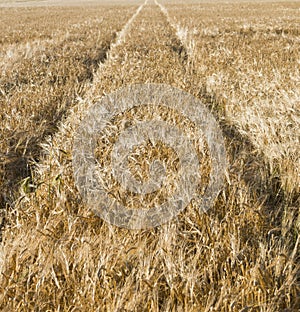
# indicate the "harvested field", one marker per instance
pixel 241 59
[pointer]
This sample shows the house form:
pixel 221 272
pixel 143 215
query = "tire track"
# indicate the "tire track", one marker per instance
pixel 122 34
pixel 140 57
pixel 137 55
pixel 16 167
pixel 19 149
pixel 182 33
pixel 53 227
pixel 56 247
pixel 120 39
pixel 258 171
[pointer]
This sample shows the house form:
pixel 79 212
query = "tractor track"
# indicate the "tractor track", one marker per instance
pixel 246 153
pixel 21 147
pixel 57 253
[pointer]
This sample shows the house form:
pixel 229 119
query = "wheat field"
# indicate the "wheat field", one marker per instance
pixel 241 59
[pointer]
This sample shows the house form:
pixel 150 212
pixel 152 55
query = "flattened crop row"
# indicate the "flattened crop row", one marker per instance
pixel 144 56
pixel 247 57
pixel 56 253
pixel 36 92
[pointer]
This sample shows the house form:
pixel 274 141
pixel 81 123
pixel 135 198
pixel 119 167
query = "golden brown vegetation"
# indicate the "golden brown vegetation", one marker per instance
pixel 247 57
pixel 243 255
pixel 38 86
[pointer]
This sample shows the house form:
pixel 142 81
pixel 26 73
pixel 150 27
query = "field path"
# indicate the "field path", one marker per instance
pixel 138 56
pixel 133 60
pixel 56 254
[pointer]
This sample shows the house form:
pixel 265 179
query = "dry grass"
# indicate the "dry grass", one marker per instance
pixel 247 58
pixel 38 87
pixel 243 255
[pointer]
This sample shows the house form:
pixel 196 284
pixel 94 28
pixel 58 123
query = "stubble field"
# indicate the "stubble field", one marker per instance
pixel 242 60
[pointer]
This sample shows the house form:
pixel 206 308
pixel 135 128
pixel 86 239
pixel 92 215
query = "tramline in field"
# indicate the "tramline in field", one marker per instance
pixel 241 60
